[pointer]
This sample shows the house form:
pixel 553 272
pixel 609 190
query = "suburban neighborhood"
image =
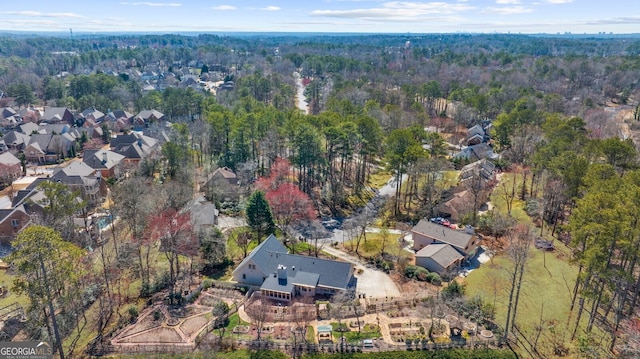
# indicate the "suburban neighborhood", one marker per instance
pixel 246 196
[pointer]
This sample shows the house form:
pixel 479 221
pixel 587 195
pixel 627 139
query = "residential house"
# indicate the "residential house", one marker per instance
pixel 49 148
pixel 439 258
pixel 476 152
pixel 57 115
pixel 79 176
pixel 9 118
pixel 204 214
pixel 457 206
pixel 89 132
pixel 282 276
pixel 220 184
pixel 28 128
pixel 134 147
pixel 476 135
pixel 29 115
pixel 483 168
pixel 12 222
pixel 91 117
pixel 425 234
pixel 109 163
pixel 145 117
pixel 3 147
pixel 10 168
pixel 119 120
pixel 54 128
pixel 15 141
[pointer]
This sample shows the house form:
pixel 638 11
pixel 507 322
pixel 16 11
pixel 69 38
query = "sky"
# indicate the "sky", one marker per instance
pixel 360 16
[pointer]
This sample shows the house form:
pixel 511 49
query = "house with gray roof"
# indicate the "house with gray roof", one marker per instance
pixel 78 176
pixel 15 141
pixel 10 168
pixel 9 118
pixel 119 120
pixel 134 147
pixel 281 276
pixel 426 234
pixel 91 117
pixel 48 148
pixel 109 163
pixel 57 115
pixel 204 214
pixel 28 128
pixel 439 258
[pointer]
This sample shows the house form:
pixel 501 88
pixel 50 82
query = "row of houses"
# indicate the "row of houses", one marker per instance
pixel 125 152
pixel 116 121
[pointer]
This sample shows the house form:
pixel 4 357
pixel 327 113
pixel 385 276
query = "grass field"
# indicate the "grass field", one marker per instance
pixel 546 290
pixel 6 280
pixel 372 247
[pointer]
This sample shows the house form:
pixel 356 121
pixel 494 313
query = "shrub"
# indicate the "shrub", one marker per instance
pixel 133 312
pixel 416 272
pixel 206 284
pixel 434 278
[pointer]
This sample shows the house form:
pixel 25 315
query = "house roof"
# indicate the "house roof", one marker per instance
pixel 294 277
pixel 15 138
pixel 7 158
pixel 443 254
pixel 271 253
pixel 76 168
pixel 459 239
pixel 76 173
pixel 482 167
pixel 28 128
pixel 147 114
pixel 101 159
pixel 92 112
pixel 119 114
pixel 224 172
pixel 7 112
pixel 51 128
pixel 55 112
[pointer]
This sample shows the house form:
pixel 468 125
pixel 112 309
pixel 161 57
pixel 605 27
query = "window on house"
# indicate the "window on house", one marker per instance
pixel 15 222
pixel 244 276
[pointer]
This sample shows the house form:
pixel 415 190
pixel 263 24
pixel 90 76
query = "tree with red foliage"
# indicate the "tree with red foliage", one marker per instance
pixel 173 229
pixel 289 204
pixel 279 173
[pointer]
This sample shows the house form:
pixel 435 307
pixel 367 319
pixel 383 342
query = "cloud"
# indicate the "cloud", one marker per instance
pixel 152 4
pixel 398 10
pixel 507 2
pixel 224 7
pixel 507 10
pixel 559 1
pixel 43 14
pixel 615 20
pixel 270 8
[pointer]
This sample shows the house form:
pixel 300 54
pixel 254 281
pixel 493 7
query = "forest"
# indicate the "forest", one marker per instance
pixel 562 114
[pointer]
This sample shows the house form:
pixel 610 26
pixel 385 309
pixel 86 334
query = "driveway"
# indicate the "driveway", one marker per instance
pixel 371 282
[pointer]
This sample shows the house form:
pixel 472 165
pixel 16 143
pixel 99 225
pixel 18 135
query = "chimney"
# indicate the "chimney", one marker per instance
pixel 104 157
pixel 282 272
pixel 293 268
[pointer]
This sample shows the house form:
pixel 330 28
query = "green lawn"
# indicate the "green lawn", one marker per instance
pixel 6 280
pixel 547 284
pixel 373 245
pixel 500 203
